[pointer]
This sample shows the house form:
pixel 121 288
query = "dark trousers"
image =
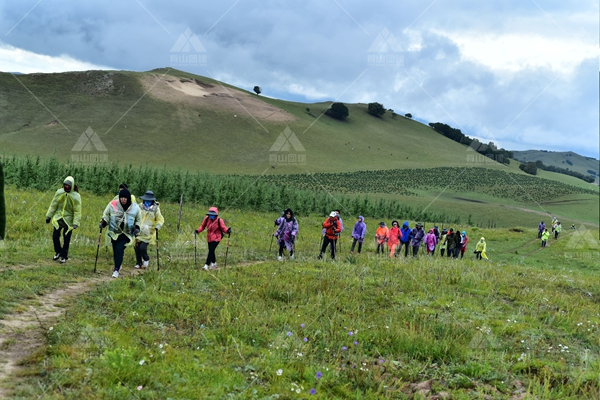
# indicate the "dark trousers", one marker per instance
pixel 416 250
pixel 328 242
pixel 119 250
pixel 478 255
pixel 406 245
pixel 555 234
pixel 212 257
pixel 442 251
pixel 543 243
pixel 282 247
pixel 451 252
pixel 380 246
pixel 354 244
pixel 62 251
pixel 141 253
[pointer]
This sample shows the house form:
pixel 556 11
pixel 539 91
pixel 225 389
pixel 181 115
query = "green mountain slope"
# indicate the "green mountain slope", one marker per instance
pixel 561 159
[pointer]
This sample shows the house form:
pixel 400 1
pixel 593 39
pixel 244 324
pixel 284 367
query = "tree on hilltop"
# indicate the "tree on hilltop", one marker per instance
pixel 376 109
pixel 408 115
pixel 338 111
pixel 257 90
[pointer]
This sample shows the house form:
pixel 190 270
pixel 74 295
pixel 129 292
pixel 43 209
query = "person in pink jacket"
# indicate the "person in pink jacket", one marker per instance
pixel 430 241
pixel 215 229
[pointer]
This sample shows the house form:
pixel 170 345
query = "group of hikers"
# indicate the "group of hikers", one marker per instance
pixel 128 222
pixel 450 242
pixel 556 230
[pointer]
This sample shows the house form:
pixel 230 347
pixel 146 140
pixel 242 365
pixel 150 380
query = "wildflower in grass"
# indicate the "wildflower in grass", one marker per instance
pixel 356 342
pixel 301 325
pixel 319 375
pixel 279 372
pixel 289 333
pixel 305 340
pixel 344 348
pixel 140 387
pixel 142 362
pixel 350 333
pixel 313 391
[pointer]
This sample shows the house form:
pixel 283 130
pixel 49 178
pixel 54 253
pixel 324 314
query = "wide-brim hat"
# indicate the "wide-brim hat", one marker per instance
pixel 148 196
pixel 419 224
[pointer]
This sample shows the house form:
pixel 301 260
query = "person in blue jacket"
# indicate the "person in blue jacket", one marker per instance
pixel 405 237
pixel 358 234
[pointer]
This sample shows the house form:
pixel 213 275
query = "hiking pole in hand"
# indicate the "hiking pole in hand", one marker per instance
pixel 98 249
pixel 195 241
pixel 227 250
pixel 157 256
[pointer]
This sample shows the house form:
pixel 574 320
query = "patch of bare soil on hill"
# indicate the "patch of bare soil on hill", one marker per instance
pixel 195 93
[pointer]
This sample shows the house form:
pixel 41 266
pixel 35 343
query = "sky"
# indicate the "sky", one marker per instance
pixel 523 74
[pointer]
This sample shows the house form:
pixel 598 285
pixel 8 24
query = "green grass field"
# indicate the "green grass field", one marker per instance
pixel 523 324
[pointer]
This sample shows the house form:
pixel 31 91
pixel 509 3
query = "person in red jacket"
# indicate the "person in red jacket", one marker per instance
pixel 332 228
pixel 215 229
pixel 393 238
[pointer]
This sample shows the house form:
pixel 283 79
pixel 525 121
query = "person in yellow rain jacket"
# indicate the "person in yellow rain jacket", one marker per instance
pixel 480 248
pixel 545 236
pixel 64 213
pixel 152 221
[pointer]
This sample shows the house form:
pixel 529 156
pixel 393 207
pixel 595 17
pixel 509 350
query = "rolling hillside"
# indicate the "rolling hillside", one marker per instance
pixel 561 159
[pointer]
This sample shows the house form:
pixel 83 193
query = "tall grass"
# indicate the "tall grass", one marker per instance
pixel 2 204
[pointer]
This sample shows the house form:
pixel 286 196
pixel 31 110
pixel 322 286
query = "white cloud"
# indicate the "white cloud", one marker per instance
pixel 516 52
pixel 308 92
pixel 13 59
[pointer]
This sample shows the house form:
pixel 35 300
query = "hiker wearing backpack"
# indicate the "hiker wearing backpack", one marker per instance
pixel 152 221
pixel 358 234
pixel 332 227
pixel 65 214
pixel 443 242
pixel 215 230
pixel 286 234
pixel 381 236
pixel 452 240
pixel 430 241
pixel 541 228
pixel 436 232
pixel 463 244
pixel 123 218
pixel 418 237
pixel 393 238
pixel 405 236
pixel 557 230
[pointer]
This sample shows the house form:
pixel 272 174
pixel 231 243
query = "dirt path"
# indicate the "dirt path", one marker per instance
pixel 561 218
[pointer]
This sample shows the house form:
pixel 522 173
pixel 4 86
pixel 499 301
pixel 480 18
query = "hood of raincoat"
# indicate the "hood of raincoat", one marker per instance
pixel 213 211
pixel 69 181
pixel 405 224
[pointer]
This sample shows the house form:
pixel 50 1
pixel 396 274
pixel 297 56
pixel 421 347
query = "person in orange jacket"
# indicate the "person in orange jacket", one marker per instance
pixel 332 228
pixel 381 236
pixel 215 229
pixel 393 238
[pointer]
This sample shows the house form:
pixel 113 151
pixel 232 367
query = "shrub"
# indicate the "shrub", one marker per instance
pixel 338 111
pixel 376 109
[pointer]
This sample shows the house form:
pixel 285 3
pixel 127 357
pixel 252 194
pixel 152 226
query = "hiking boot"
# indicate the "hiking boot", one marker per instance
pixel 145 265
pixel 292 257
pixel 63 260
pixel 213 266
pixel 205 267
pixel 115 274
pixel 137 266
pixel 279 258
pixel 56 257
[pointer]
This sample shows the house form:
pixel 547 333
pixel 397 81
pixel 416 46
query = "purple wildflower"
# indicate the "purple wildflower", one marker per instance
pixel 305 339
pixel 301 325
pixel 313 391
pixel 350 333
pixel 356 342
pixel 344 348
pixel 319 375
pixel 289 333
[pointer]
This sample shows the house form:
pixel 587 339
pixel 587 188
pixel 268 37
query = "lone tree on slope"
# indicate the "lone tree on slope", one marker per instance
pixel 338 111
pixel 257 90
pixel 376 109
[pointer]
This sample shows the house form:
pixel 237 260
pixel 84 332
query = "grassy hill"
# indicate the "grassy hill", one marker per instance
pixel 169 117
pixel 561 159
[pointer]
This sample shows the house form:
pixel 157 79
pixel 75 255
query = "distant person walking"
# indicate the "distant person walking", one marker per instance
pixel 286 234
pixel 418 237
pixel 480 249
pixel 65 214
pixel 443 242
pixel 381 236
pixel 541 228
pixel 358 234
pixel 557 230
pixel 545 236
pixel 554 222
pixel 436 232
pixel 430 242
pixel 464 240
pixel 152 221
pixel 215 230
pixel 123 218
pixel 332 227
pixel 405 236
pixel 453 243
pixel 393 238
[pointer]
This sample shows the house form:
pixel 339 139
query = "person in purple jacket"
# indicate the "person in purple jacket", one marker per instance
pixel 419 235
pixel 358 234
pixel 541 228
pixel 286 234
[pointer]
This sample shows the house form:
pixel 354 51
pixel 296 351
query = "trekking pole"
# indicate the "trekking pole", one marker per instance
pixel 157 256
pixel 227 250
pixel 98 249
pixel 195 241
